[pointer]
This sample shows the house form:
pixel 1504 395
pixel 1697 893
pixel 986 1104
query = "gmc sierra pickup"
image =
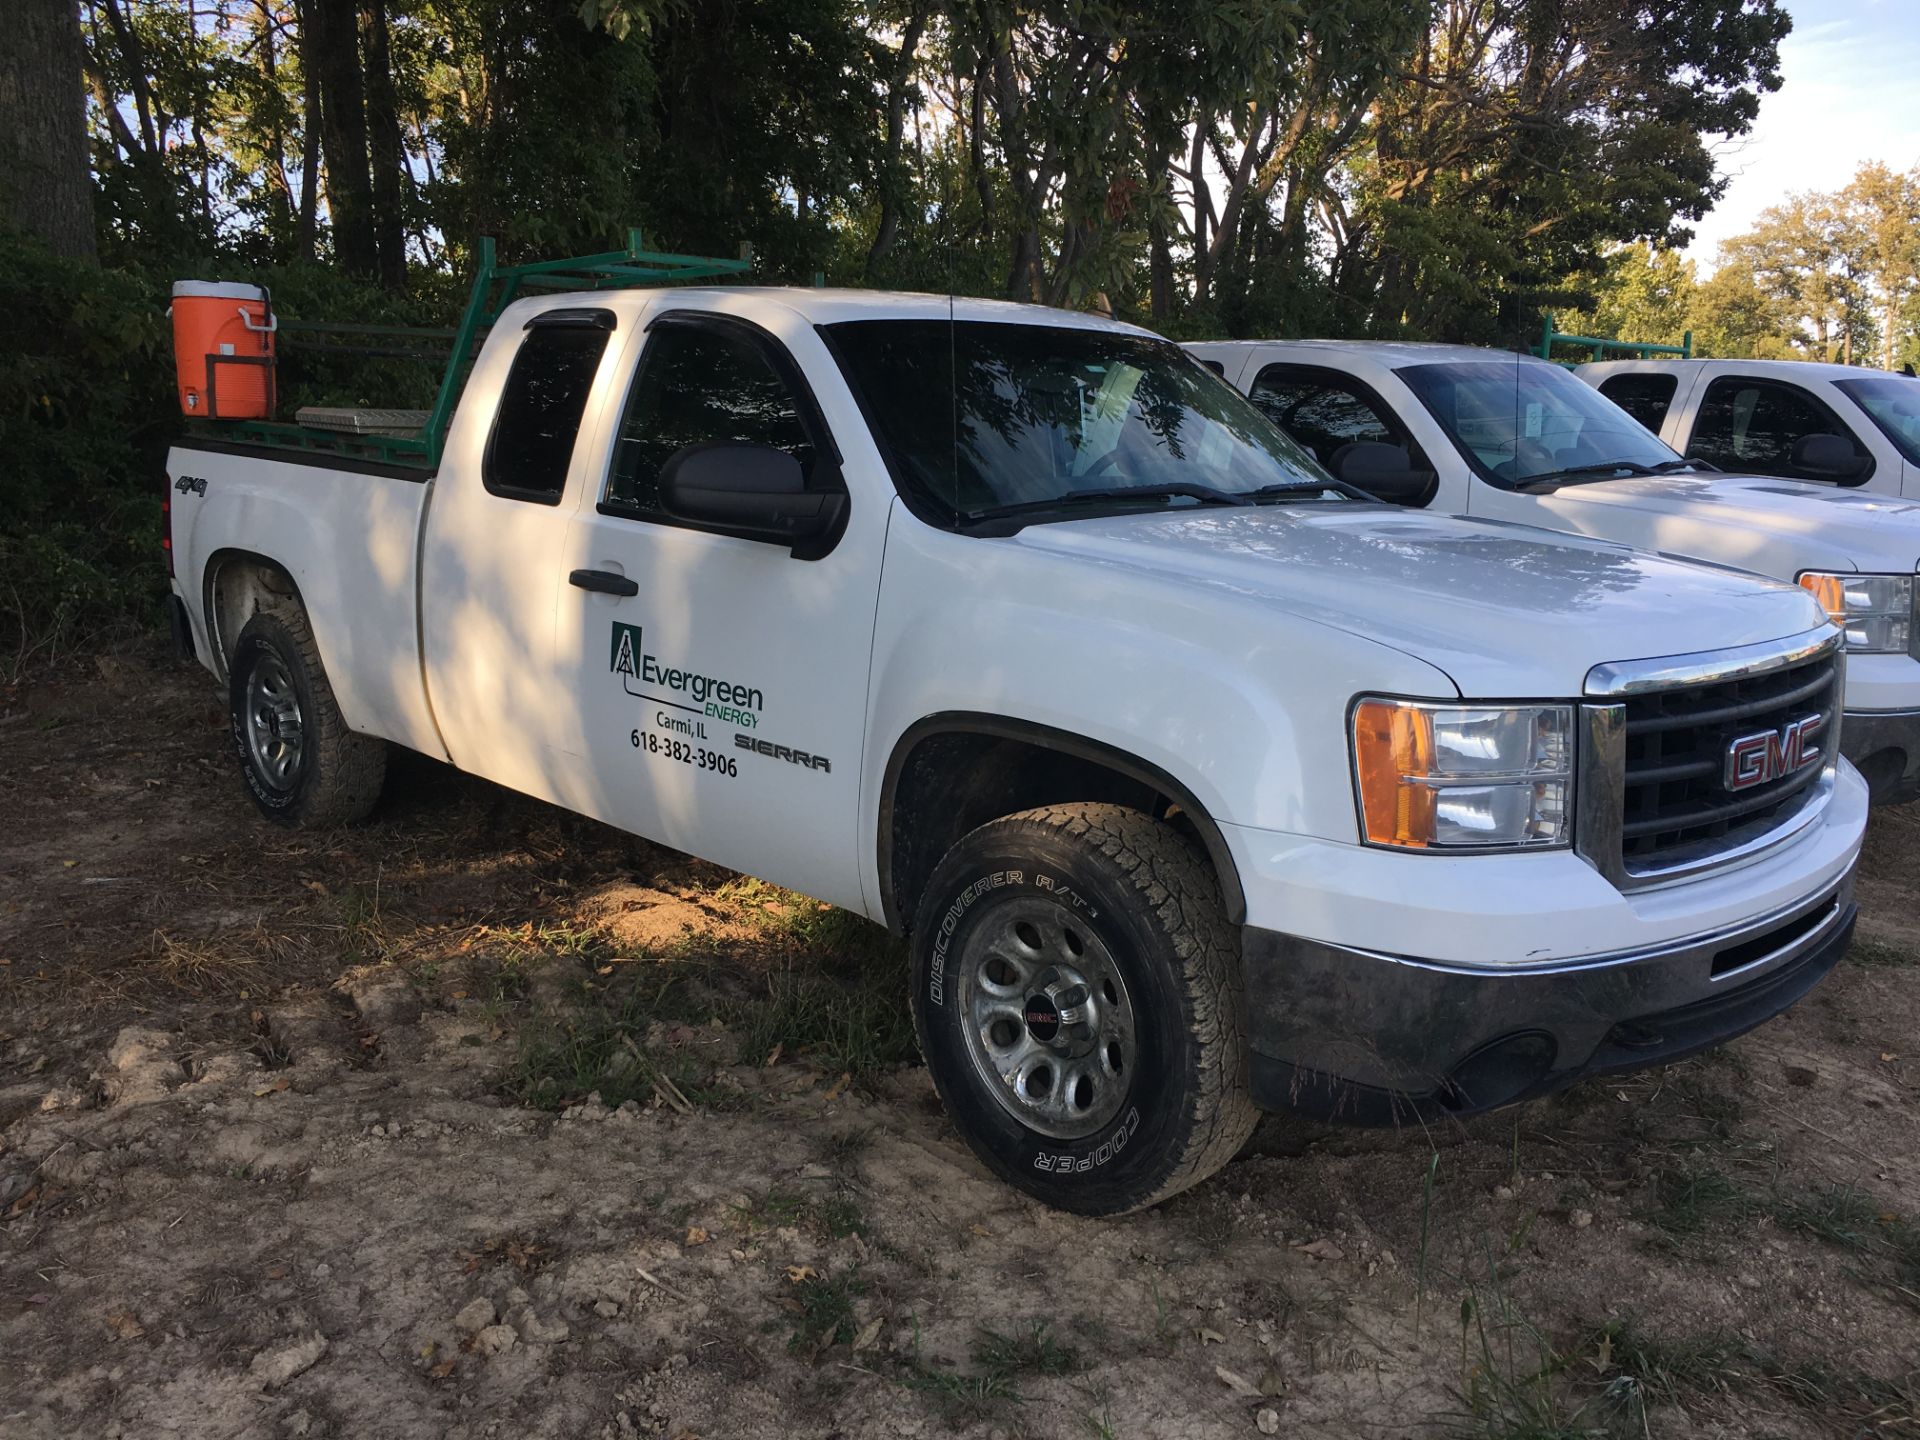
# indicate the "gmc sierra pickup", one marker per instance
pixel 1199 780
pixel 1827 424
pixel 1510 437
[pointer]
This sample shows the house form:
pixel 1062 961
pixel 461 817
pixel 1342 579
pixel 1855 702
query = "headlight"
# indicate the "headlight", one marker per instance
pixel 1876 611
pixel 1463 777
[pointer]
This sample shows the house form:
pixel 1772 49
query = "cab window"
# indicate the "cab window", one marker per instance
pixel 1644 397
pixel 540 408
pixel 1319 412
pixel 1750 426
pixel 698 384
pixel 1326 411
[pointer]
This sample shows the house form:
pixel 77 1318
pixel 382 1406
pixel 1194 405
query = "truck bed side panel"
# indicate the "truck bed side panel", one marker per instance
pixel 350 542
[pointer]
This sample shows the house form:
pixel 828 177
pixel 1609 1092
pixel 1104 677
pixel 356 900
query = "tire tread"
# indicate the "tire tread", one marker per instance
pixel 349 769
pixel 1176 884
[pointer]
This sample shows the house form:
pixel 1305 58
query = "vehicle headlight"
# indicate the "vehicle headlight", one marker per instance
pixel 1876 611
pixel 1463 777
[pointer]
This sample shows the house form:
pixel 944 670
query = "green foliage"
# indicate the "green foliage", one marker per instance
pixel 1821 276
pixel 85 396
pixel 1442 170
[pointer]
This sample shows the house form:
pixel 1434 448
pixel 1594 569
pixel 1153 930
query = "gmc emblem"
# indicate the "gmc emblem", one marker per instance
pixel 1773 754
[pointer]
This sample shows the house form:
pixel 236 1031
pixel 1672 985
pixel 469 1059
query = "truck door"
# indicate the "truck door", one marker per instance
pixel 720 683
pixel 490 565
pixel 1749 424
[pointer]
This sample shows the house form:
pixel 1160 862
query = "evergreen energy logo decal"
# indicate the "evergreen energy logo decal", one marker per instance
pixel 646 677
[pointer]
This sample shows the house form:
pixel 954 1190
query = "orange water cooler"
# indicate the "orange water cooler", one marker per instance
pixel 223 349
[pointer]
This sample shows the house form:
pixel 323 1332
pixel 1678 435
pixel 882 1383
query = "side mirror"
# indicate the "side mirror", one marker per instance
pixel 1384 471
pixel 1828 457
pixel 753 491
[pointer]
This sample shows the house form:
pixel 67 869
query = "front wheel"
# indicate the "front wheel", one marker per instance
pixel 1077 996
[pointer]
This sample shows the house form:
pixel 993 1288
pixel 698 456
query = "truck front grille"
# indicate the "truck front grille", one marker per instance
pixel 1689 763
pixel 1677 791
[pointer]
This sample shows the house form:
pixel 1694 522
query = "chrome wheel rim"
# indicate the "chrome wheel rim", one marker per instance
pixel 1049 1023
pixel 276 739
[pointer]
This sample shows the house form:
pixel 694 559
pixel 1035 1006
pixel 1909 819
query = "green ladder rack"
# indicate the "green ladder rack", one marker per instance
pixel 1604 349
pixel 495 287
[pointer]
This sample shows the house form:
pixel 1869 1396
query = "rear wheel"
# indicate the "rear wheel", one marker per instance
pixel 1077 995
pixel 301 763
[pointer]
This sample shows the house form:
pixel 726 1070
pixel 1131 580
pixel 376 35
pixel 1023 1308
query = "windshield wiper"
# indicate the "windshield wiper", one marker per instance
pixel 1587 474
pixel 1177 490
pixel 1301 487
pixel 1573 473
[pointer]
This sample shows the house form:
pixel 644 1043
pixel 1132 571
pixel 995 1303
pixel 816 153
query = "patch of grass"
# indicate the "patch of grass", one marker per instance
pixel 960 1397
pixel 1838 1214
pixel 1164 1329
pixel 1513 1383
pixel 1030 1352
pixel 1100 1422
pixel 1878 955
pixel 833 1217
pixel 1671 1372
pixel 217 965
pixel 855 1021
pixel 564 1058
pixel 1692 1199
pixel 845 1147
pixel 825 1313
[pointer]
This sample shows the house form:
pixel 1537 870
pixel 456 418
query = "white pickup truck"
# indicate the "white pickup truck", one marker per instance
pixel 1198 780
pixel 1826 424
pixel 1511 437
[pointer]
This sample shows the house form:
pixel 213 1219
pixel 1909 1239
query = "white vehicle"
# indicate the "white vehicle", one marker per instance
pixel 1826 424
pixel 1511 437
pixel 1198 780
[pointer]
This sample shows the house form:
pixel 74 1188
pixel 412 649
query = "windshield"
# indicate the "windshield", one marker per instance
pixel 1516 421
pixel 1044 413
pixel 1893 403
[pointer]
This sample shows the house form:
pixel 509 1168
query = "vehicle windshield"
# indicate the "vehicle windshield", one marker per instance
pixel 1046 416
pixel 1893 403
pixel 1518 423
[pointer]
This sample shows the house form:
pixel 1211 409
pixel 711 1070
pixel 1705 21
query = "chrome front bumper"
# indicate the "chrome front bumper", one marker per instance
pixel 1370 1038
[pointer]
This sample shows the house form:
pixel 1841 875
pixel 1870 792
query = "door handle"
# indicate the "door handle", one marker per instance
pixel 604 582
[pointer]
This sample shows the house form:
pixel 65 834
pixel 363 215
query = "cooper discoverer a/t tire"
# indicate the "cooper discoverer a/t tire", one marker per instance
pixel 301 763
pixel 1077 997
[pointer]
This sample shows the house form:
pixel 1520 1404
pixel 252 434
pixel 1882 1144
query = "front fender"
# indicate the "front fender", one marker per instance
pixel 1239 703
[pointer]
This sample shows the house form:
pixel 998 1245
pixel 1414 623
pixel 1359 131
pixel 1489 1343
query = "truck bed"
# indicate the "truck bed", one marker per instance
pixel 348 534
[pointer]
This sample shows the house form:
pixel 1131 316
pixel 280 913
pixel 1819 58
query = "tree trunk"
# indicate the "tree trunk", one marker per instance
pixel 1202 208
pixel 893 180
pixel 383 149
pixel 45 186
pixel 280 205
pixel 135 56
pixel 305 228
pixel 343 115
pixel 1159 263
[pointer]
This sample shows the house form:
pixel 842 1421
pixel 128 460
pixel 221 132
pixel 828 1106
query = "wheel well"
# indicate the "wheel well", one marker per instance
pixel 950 775
pixel 240 584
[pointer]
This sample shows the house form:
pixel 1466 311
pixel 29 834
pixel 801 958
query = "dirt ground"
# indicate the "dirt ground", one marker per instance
pixel 483 1120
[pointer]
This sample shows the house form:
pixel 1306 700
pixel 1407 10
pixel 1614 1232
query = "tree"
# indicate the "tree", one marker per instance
pixel 45 187
pixel 1805 255
pixel 1527 136
pixel 1881 209
pixel 334 44
pixel 1644 294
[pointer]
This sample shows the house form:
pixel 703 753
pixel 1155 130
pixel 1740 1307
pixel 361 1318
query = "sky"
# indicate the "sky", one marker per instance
pixel 1849 93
